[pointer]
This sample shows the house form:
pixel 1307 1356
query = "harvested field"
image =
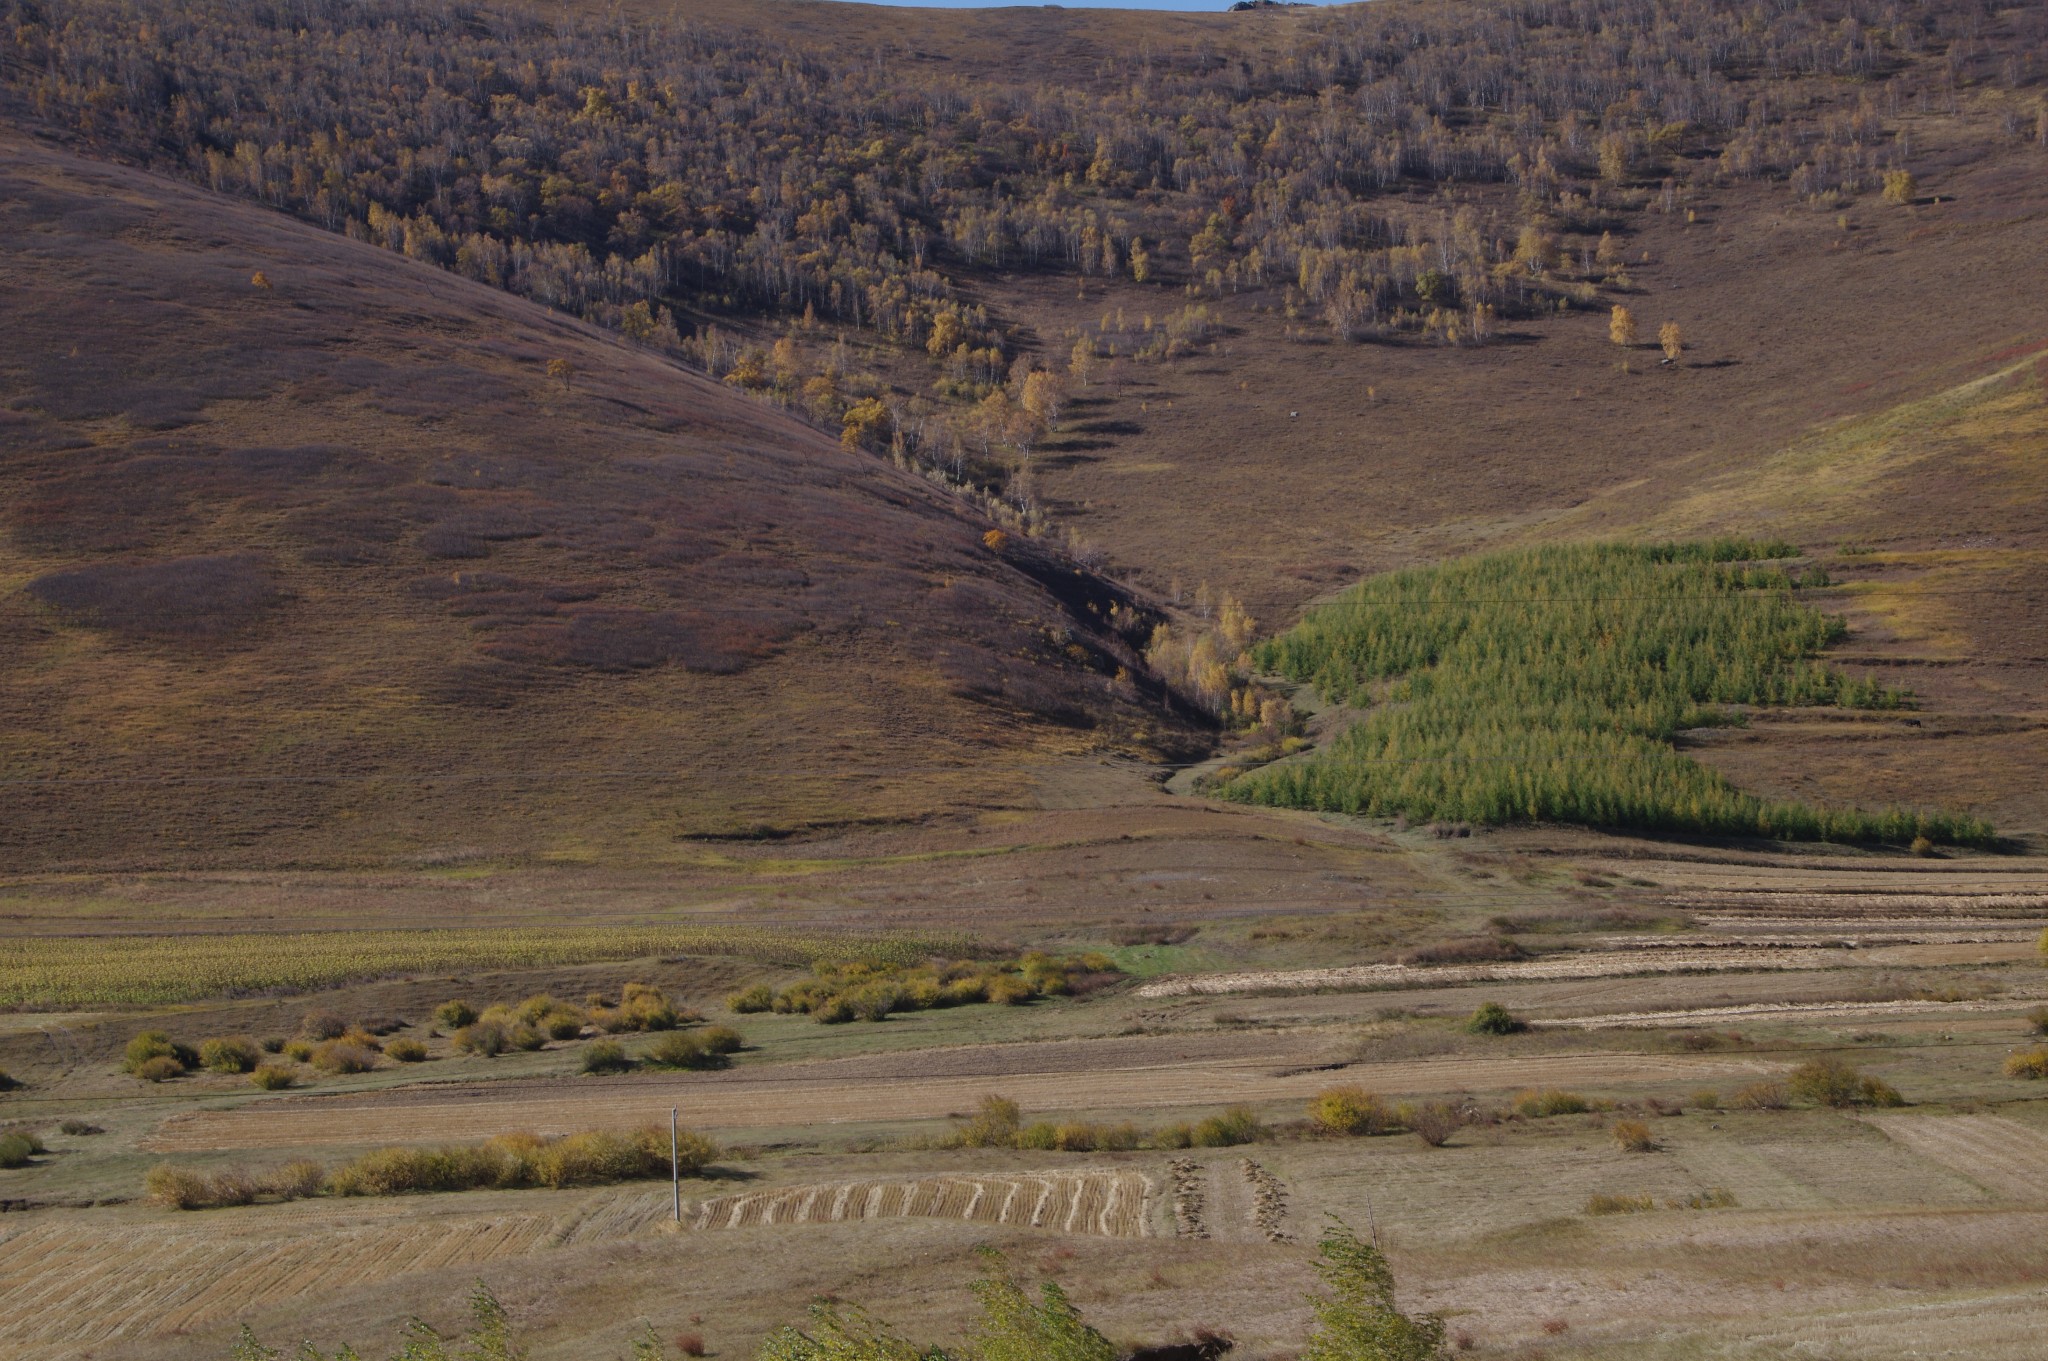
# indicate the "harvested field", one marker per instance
pixel 56 1276
pixel 1811 1011
pixel 780 1097
pixel 2002 1155
pixel 1592 964
pixel 1112 1203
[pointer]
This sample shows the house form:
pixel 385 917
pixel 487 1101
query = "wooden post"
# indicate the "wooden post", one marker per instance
pixel 675 1163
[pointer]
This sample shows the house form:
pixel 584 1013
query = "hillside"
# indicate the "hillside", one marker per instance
pixel 314 555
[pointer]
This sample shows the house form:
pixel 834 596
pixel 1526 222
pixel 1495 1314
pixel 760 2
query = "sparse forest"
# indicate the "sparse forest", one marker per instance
pixel 1393 171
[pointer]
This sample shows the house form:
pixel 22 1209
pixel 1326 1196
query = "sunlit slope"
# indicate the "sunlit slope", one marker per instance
pixel 313 555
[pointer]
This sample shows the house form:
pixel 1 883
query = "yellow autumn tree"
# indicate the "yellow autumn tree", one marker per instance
pixel 1621 327
pixel 1673 341
pixel 862 425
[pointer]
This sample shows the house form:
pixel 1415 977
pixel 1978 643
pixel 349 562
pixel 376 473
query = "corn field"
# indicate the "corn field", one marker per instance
pixel 79 971
pixel 1548 685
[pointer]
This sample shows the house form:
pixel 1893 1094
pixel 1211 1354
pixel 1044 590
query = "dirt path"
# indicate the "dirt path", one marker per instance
pixel 1589 964
pixel 1816 1011
pixel 791 1097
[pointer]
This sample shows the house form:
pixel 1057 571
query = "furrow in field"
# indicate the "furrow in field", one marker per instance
pixel 2001 1155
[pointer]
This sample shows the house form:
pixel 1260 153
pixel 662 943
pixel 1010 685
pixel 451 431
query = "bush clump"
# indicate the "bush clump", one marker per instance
pixel 1238 1125
pixel 162 1068
pixel 152 1045
pixel 405 1049
pixel 1765 1095
pixel 455 1014
pixel 323 1025
pixel 863 991
pixel 684 1049
pixel 18 1146
pixel 1349 1110
pixel 1634 1136
pixel 606 1056
pixel 342 1056
pixel 230 1055
pixel 272 1077
pixel 1829 1081
pixel 1434 1122
pixel 2037 1021
pixel 485 1039
pixel 998 1122
pixel 722 1039
pixel 758 998
pixel 182 1188
pixel 1536 1105
pixel 75 1126
pixel 1494 1019
pixel 521 1160
pixel 2027 1063
pixel 1604 1204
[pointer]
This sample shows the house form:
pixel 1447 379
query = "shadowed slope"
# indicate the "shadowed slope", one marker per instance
pixel 315 554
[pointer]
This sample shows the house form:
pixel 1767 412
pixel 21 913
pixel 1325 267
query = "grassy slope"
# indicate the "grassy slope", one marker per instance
pixel 512 616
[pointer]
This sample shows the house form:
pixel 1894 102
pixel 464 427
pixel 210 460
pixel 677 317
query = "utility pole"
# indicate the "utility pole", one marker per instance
pixel 675 1162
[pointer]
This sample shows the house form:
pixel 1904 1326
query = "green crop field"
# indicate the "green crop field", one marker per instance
pixel 1548 685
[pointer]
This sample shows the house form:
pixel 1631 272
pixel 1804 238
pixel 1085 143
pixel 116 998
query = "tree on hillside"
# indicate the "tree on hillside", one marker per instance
pixel 1672 340
pixel 1621 327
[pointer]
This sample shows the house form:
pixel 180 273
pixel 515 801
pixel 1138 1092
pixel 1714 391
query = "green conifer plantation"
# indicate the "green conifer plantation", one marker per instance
pixel 1549 684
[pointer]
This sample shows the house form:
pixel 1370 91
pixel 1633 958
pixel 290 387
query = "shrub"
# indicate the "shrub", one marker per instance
pixel 1008 990
pixel 296 1180
pixel 1829 1081
pixel 406 1050
pixel 1238 1125
pixel 563 1023
pixel 150 1045
pixel 361 1039
pixel 176 1187
pixel 1040 1136
pixel 298 1050
pixel 234 1055
pixel 535 1007
pixel 1494 1019
pixel 525 1038
pixel 485 1039
pixel 2028 1063
pixel 993 1125
pixel 339 1056
pixel 1536 1105
pixel 455 1014
pixel 722 1039
pixel 647 1007
pixel 691 1344
pixel 17 1147
pixel 2037 1021
pixel 1707 1099
pixel 1604 1204
pixel 760 997
pixel 1718 1198
pixel 1761 1096
pixel 162 1068
pixel 515 1160
pixel 1356 1317
pixel 606 1056
pixel 1349 1110
pixel 272 1077
pixel 1634 1136
pixel 681 1049
pixel 323 1025
pixel 1434 1123
pixel 271 1044
pixel 75 1126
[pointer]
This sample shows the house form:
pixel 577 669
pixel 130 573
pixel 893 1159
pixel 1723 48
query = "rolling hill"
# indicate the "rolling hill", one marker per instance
pixel 314 555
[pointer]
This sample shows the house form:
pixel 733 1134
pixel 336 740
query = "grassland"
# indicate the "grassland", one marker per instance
pixel 54 972
pixel 1549 684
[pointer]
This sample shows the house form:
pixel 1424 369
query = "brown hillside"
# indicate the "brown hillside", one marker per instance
pixel 311 558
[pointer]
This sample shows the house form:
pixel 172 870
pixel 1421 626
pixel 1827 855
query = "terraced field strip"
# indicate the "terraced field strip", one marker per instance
pixel 1817 1011
pixel 782 1097
pixel 1590 964
pixel 1109 1202
pixel 82 1282
pixel 2001 1155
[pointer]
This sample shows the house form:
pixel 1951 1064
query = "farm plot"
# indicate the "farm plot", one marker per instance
pixel 784 1096
pixel 2001 1155
pixel 1108 1202
pixel 79 1281
pixel 1591 964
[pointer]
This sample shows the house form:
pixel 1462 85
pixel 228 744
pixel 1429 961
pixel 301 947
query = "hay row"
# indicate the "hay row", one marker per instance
pixel 1099 1201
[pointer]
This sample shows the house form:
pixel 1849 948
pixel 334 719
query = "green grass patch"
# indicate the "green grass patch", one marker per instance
pixel 47 972
pixel 1548 684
